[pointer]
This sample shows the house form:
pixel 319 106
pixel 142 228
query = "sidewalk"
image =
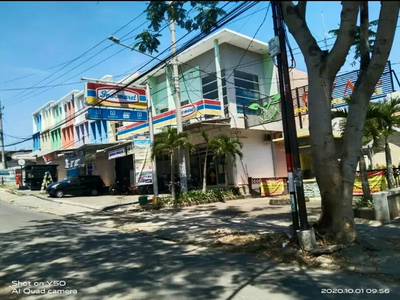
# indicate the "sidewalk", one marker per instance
pixel 101 202
pixel 199 223
pixel 376 251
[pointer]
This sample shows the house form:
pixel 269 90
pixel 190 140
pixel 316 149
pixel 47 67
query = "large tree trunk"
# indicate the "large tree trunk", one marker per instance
pixel 364 176
pixel 205 173
pixel 337 217
pixel 389 165
pixel 336 179
pixel 172 177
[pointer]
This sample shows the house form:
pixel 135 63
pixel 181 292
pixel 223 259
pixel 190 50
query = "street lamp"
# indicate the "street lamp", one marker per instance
pixel 114 39
pixel 117 41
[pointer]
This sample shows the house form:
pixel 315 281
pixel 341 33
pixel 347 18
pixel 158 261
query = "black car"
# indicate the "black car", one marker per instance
pixel 77 185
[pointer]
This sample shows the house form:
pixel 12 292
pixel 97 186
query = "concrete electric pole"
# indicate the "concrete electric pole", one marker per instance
pixel 3 156
pixel 178 112
pixel 305 235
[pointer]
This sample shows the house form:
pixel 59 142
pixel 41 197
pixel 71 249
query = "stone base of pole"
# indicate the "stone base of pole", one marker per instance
pixel 307 239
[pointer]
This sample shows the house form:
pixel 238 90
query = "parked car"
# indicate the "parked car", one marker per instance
pixel 77 185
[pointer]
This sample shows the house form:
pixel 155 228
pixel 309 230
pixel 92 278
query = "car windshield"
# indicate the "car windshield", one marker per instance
pixel 66 179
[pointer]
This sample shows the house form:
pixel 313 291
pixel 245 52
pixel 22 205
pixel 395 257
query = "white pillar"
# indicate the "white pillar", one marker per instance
pixel 219 76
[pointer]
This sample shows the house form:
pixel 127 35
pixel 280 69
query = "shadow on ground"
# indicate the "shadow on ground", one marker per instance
pixel 103 263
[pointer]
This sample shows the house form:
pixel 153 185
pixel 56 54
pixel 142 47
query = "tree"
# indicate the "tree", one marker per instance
pixel 336 186
pixel 356 42
pixel 168 141
pixel 209 144
pixel 386 115
pixel 207 14
pixel 227 147
pixel 370 133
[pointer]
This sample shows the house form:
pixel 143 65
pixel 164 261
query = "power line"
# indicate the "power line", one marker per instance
pixel 25 76
pixel 39 87
pixel 234 13
pixel 75 59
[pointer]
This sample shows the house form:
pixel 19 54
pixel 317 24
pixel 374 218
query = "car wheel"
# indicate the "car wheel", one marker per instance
pixel 59 194
pixel 94 192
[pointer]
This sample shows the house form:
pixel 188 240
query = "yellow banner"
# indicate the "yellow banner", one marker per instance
pixel 377 183
pixel 270 187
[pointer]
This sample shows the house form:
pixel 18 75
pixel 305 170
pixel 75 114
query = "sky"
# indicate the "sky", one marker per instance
pixel 43 45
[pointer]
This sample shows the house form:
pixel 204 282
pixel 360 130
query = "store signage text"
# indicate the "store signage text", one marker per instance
pixel 188 111
pixel 117 114
pixel 116 153
pixel 115 96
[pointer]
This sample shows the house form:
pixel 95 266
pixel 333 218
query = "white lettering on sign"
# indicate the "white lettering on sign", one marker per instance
pixel 108 93
pixel 116 153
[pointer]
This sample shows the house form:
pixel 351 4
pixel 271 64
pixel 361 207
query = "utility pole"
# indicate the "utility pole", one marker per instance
pixel 151 129
pixel 3 156
pixel 178 110
pixel 306 236
pixel 285 125
pixel 289 114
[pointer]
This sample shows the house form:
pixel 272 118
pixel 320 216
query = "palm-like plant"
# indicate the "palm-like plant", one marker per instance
pixel 386 116
pixel 370 133
pixel 209 144
pixel 356 42
pixel 168 141
pixel 225 146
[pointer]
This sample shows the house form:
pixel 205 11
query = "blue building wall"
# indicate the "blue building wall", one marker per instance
pixel 38 121
pixel 98 132
pixel 36 141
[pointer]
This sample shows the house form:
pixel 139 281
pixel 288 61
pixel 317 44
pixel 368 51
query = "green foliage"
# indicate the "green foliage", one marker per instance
pixel 160 12
pixel 371 132
pixel 169 140
pixel 386 115
pixel 225 146
pixel 356 42
pixel 365 202
pixel 147 41
pixel 197 197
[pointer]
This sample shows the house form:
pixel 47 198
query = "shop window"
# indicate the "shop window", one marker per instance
pixel 210 85
pixel 247 89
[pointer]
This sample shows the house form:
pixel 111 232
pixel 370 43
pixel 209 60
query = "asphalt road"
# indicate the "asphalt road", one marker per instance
pixel 100 263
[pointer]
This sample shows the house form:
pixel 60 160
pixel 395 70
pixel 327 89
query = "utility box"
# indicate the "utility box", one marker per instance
pixel 143 199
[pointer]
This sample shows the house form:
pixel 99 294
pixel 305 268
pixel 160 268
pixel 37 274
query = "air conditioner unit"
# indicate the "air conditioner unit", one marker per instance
pixel 267 138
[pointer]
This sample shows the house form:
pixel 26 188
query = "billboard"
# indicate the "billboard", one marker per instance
pixel 117 114
pixel 74 160
pixel 143 166
pixel 109 95
pixel 268 110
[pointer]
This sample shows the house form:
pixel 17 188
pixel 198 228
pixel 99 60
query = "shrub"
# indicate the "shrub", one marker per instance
pixel 365 202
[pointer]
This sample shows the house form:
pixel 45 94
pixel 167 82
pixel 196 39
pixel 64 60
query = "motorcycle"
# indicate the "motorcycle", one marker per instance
pixel 117 188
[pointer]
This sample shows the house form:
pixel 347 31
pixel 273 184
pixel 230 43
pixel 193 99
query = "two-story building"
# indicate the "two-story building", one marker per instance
pixel 227 84
pixel 61 128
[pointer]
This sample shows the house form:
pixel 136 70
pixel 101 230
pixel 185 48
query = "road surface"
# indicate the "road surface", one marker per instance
pixel 101 263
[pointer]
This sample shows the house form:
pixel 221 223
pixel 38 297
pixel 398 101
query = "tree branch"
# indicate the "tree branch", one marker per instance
pixel 347 31
pixel 388 17
pixel 364 36
pixel 302 5
pixel 294 16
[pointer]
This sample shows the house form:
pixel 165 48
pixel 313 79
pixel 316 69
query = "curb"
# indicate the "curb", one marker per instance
pixel 283 201
pixel 69 203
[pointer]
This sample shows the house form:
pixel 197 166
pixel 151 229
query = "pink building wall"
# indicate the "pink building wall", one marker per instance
pixel 297 79
pixel 68 131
